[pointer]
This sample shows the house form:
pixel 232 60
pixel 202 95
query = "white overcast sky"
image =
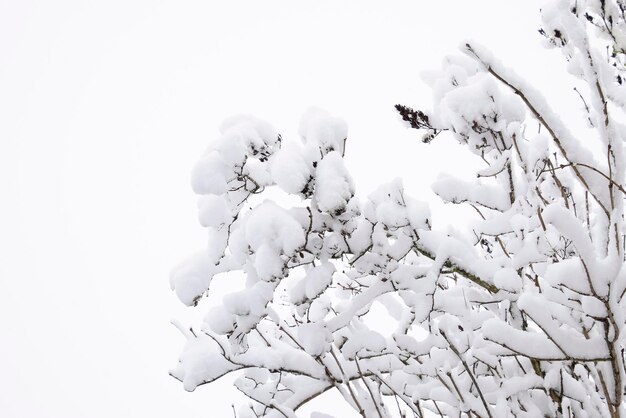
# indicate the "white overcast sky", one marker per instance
pixel 104 108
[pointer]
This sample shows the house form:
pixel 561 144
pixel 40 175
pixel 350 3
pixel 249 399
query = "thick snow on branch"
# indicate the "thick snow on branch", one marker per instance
pixel 518 313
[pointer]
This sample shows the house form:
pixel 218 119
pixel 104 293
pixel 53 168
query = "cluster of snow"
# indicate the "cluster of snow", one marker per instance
pixel 334 188
pixel 523 315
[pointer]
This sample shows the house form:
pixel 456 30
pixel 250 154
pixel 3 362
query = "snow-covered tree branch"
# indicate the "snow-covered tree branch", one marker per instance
pixel 523 315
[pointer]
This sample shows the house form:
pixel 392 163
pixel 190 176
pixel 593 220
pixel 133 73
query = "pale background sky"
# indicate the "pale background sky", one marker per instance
pixel 104 108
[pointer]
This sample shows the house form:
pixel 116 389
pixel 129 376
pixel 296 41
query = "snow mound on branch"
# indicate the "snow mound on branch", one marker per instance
pixel 453 190
pixel 255 134
pixel 268 263
pixel 213 211
pixel 289 169
pixel 318 127
pixel 269 224
pixel 191 278
pixel 334 187
pixel 508 279
pixel 220 321
pixel 390 205
pixel 244 148
pixel 316 280
pixel 363 342
pixel 200 363
pixel 210 175
pixel 315 338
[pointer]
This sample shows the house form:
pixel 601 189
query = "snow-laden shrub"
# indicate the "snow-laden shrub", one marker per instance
pixel 525 320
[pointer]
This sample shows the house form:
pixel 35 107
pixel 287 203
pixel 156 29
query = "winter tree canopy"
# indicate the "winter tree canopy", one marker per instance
pixel 523 314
